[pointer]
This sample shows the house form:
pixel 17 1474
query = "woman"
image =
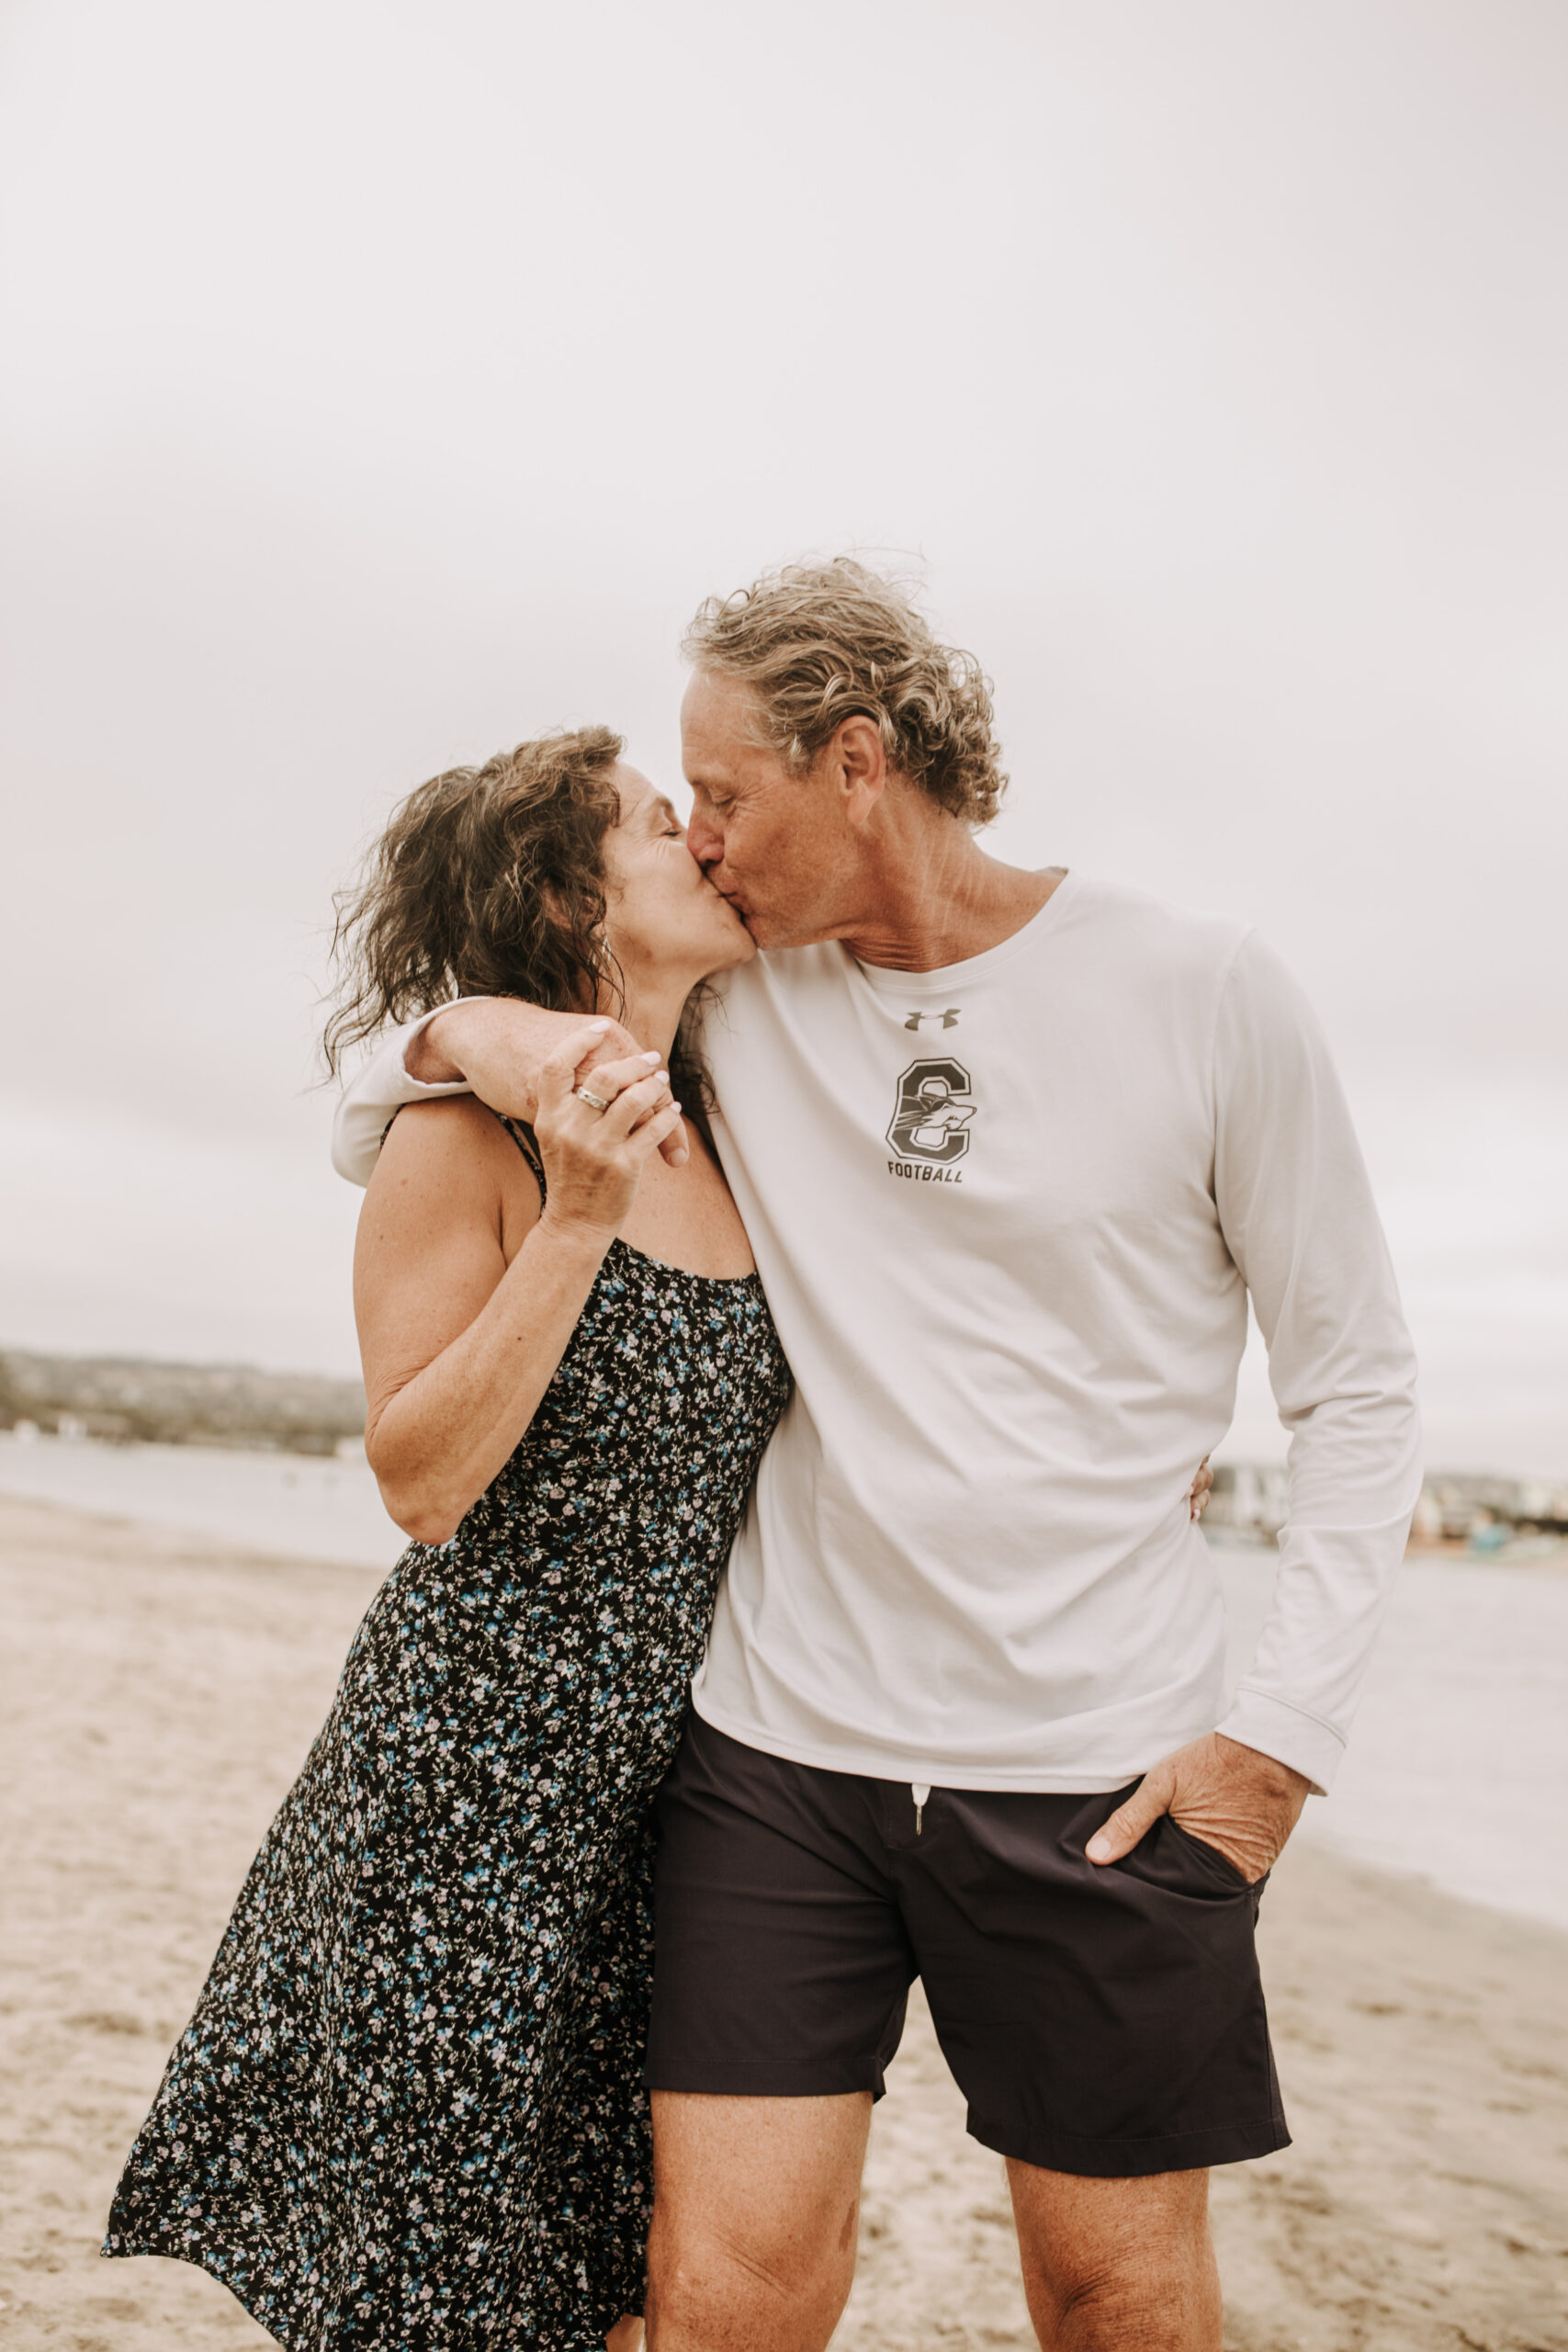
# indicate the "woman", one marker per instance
pixel 407 2112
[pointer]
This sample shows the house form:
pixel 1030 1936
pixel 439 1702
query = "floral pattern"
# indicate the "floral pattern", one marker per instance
pixel 408 2113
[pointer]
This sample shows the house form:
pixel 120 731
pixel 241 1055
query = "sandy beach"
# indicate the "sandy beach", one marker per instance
pixel 161 1691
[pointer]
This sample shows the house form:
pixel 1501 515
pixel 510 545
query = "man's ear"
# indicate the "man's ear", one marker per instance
pixel 859 764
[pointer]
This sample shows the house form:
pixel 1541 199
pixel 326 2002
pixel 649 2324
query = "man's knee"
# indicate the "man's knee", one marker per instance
pixel 709 2290
pixel 755 2210
pixel 1118 2265
pixel 1170 2306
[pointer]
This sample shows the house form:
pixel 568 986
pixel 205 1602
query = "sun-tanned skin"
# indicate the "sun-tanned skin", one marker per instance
pixel 752 2248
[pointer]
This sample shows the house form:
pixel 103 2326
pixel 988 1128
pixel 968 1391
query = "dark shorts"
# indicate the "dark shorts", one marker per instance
pixel 1097 2020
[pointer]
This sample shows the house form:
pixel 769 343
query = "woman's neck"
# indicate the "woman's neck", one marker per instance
pixel 653 1010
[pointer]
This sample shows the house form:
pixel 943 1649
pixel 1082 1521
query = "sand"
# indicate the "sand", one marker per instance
pixel 161 1691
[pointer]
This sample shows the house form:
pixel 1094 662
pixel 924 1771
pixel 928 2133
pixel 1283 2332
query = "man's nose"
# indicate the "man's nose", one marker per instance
pixel 704 839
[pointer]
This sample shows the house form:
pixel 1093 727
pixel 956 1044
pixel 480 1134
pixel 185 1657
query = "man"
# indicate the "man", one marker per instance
pixel 1012 1150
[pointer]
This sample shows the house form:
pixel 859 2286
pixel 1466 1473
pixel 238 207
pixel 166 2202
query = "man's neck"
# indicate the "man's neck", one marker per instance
pixel 942 906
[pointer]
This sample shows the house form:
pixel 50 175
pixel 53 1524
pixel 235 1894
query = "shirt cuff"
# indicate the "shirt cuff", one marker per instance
pixel 392 1057
pixel 1287 1734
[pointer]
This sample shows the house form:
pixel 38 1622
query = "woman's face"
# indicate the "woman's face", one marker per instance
pixel 665 918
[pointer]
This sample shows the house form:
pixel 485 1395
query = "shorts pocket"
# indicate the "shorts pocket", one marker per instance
pixel 1220 1867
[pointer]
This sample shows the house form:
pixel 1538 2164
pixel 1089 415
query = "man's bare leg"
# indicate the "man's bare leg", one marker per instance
pixel 1116 2266
pixel 756 2203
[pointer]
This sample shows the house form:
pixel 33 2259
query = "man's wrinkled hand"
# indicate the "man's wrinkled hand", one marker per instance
pixel 1243 1803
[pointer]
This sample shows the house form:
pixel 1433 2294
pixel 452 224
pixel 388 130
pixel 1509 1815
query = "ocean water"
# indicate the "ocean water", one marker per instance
pixel 1458 1769
pixel 292 1503
pixel 1458 1764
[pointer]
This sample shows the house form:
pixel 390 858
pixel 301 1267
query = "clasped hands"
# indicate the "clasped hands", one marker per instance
pixel 500 1047
pixel 1240 1802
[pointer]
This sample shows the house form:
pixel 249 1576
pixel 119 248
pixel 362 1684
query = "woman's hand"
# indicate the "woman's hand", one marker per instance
pixel 594 1158
pixel 1198 1493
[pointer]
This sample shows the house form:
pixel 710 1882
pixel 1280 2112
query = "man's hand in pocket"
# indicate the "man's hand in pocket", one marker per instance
pixel 1243 1803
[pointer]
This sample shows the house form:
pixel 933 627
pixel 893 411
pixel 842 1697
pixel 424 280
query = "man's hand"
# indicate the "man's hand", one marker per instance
pixel 1241 1802
pixel 498 1046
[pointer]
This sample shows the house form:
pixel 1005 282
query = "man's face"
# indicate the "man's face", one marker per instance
pixel 778 846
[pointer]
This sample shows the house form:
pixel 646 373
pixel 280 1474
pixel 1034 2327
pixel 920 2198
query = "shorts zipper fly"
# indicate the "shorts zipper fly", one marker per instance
pixel 920 1791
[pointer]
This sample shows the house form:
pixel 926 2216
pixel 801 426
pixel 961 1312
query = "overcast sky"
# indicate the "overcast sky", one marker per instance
pixel 384 384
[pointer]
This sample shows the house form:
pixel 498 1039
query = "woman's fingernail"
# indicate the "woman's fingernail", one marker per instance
pixel 598 1025
pixel 1099 1849
pixel 651 1058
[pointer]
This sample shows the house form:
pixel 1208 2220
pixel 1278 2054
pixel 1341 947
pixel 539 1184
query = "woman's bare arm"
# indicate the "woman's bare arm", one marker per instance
pixel 467 1294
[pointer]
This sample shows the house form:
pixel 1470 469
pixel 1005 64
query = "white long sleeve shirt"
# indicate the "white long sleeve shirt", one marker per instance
pixel 1008 1215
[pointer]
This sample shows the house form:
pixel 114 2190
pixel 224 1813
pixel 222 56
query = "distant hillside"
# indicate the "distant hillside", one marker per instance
pixel 121 1397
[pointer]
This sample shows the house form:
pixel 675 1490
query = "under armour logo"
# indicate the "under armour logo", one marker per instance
pixel 949 1019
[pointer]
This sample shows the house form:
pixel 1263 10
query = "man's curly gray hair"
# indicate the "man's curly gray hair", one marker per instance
pixel 818 643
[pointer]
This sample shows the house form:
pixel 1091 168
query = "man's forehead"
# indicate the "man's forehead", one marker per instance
pixel 718 725
pixel 713 705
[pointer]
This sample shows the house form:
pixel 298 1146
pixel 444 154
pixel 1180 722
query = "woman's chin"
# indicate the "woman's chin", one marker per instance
pixel 744 946
pixel 732 943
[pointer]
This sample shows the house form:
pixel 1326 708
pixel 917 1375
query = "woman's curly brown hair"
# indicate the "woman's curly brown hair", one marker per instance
pixel 490 881
pixel 820 643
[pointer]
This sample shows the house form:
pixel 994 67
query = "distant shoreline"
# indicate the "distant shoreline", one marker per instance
pixel 41 1451
pixel 133 1400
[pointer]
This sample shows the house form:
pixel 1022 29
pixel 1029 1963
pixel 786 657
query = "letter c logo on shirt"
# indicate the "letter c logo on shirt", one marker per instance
pixel 931 1119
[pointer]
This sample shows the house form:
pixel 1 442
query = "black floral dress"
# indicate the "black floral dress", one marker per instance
pixel 407 2113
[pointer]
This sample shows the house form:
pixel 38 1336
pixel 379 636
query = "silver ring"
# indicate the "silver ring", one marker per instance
pixel 595 1101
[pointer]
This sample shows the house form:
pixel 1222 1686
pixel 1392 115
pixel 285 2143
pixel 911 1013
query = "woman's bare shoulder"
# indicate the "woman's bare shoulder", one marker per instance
pixel 452 1141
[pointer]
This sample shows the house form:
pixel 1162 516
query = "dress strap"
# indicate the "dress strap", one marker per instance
pixel 527 1143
